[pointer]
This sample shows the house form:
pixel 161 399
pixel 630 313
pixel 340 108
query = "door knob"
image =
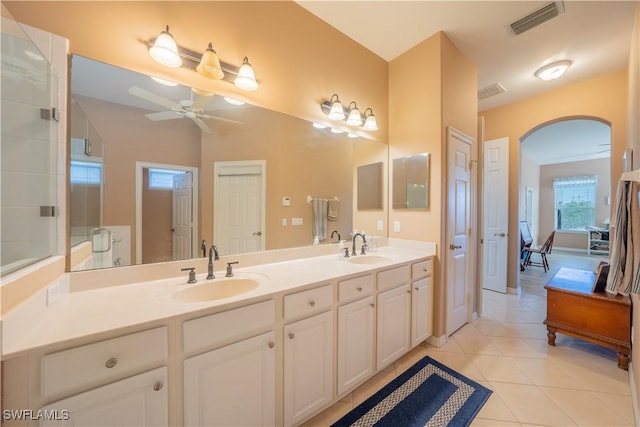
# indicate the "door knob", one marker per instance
pixel 258 233
pixel 454 247
pixel 500 234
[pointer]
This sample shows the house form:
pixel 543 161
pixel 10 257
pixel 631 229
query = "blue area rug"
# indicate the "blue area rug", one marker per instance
pixel 426 394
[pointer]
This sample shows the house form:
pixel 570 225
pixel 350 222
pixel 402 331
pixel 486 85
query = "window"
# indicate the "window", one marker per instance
pixel 85 173
pixel 162 179
pixel 575 202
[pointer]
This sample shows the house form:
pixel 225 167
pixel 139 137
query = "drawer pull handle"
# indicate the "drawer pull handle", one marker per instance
pixel 359 288
pixel 111 362
pixel 312 303
pixel 291 335
pixel 157 386
pixel 271 345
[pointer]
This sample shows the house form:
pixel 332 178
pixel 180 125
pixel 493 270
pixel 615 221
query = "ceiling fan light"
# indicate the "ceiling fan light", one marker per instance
pixel 354 118
pixel 165 51
pixel 553 71
pixel 246 78
pixel 370 122
pixel 209 65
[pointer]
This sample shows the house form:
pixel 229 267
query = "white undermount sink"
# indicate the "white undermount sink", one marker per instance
pixel 368 259
pixel 216 289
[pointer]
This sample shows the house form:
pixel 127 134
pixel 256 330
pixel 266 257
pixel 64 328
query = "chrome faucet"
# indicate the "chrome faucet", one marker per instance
pixel 215 252
pixel 336 232
pixel 212 250
pixel 203 248
pixel 364 246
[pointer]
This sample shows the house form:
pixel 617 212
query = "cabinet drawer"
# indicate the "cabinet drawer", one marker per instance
pixel 93 364
pixel 422 269
pixel 221 328
pixel 308 302
pixel 354 288
pixel 394 277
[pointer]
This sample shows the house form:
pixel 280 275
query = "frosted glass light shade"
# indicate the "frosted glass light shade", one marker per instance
pixel 370 123
pixel 354 118
pixel 336 112
pixel 246 79
pixel 165 51
pixel 209 65
pixel 553 71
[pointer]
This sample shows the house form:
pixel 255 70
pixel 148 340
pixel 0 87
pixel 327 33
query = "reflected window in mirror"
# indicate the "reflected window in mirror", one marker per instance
pixel 411 182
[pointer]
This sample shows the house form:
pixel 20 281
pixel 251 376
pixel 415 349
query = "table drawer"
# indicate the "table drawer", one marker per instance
pixel 394 277
pixel 355 288
pixel 422 269
pixel 93 364
pixel 308 302
pixel 220 328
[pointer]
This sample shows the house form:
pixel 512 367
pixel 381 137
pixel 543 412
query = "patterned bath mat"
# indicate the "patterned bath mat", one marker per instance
pixel 426 394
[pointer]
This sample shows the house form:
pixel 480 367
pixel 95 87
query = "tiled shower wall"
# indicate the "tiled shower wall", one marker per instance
pixel 33 159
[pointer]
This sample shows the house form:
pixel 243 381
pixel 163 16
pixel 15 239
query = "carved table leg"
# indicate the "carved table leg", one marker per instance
pixel 551 335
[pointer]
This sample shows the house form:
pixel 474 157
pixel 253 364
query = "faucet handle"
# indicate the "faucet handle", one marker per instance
pixel 192 274
pixel 230 268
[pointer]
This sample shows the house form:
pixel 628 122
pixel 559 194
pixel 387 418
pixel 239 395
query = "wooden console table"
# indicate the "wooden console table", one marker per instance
pixel 572 309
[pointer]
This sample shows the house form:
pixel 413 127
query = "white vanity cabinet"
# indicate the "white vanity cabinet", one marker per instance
pixel 393 323
pixel 233 384
pixel 308 353
pixel 356 332
pixel 421 301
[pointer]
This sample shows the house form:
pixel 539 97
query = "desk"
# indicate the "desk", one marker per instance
pixel 572 309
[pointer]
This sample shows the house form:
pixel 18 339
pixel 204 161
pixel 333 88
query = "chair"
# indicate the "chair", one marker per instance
pixel 525 242
pixel 543 250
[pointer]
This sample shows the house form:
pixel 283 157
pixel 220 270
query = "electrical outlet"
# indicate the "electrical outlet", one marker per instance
pixel 284 221
pixel 380 225
pixel 396 226
pixel 53 293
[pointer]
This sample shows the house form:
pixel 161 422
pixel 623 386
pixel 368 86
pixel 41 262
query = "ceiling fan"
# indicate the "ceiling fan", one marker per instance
pixel 606 150
pixel 189 108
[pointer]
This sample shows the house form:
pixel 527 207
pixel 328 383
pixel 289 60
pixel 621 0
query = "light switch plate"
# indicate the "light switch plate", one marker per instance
pixel 380 225
pixel 286 201
pixel 296 221
pixel 396 226
pixel 284 221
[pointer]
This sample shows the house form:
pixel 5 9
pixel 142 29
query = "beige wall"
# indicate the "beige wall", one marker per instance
pixel 530 178
pixel 604 97
pixel 634 91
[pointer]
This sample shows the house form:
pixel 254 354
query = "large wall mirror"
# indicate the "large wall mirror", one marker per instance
pixel 411 182
pixel 156 170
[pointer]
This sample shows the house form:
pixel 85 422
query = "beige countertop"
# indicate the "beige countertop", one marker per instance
pixel 98 313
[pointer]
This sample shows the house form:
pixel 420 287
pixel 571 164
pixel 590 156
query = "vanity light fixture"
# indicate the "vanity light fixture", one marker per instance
pixel 354 118
pixel 370 122
pixel 246 78
pixel 209 65
pixel 553 71
pixel 336 131
pixel 165 50
pixel 336 111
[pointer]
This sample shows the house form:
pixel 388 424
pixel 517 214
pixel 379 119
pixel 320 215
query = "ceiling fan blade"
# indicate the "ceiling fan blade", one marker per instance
pixel 202 125
pixel 152 97
pixel 163 115
pixel 201 102
pixel 222 119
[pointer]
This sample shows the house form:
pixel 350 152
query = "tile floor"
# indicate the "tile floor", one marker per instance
pixel 573 384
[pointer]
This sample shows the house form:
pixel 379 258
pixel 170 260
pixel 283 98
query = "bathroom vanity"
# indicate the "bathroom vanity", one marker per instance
pixel 169 353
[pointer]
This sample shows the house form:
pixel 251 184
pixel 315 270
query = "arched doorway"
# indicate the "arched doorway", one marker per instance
pixel 565 186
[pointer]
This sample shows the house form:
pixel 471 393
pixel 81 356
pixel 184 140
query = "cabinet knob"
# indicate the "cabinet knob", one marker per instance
pixel 291 335
pixel 271 345
pixel 111 362
pixel 409 291
pixel 425 270
pixel 312 303
pixel 359 288
pixel 158 386
pixel 372 305
pixel 417 289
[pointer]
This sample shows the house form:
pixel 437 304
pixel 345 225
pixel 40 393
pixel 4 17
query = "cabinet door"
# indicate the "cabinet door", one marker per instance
pixel 394 325
pixel 421 310
pixel 308 366
pixel 232 386
pixel 356 325
pixel 137 401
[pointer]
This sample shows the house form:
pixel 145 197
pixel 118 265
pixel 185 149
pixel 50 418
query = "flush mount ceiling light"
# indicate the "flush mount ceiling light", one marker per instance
pixel 209 65
pixel 246 78
pixel 165 51
pixel 553 71
pixel 354 119
pixel 336 112
pixel 370 122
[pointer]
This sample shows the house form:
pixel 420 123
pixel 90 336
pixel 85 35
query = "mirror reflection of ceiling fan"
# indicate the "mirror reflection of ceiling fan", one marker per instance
pixel 189 108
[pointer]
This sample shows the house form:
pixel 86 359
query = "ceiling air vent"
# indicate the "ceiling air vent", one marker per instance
pixel 491 90
pixel 538 17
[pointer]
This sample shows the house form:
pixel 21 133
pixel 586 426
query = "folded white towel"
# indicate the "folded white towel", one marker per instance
pixel 332 210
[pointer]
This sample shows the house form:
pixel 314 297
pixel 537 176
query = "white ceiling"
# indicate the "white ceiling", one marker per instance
pixel 595 35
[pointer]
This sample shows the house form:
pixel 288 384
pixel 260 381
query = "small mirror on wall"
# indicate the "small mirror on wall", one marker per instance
pixel 411 182
pixel 370 186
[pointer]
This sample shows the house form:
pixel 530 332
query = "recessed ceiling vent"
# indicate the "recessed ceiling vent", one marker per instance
pixel 491 90
pixel 538 17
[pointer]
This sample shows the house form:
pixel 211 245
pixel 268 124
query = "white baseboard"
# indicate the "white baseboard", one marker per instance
pixel 634 396
pixel 438 341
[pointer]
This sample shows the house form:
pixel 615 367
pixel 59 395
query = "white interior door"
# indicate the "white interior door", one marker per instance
pixel 495 211
pixel 239 206
pixel 182 217
pixel 458 286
